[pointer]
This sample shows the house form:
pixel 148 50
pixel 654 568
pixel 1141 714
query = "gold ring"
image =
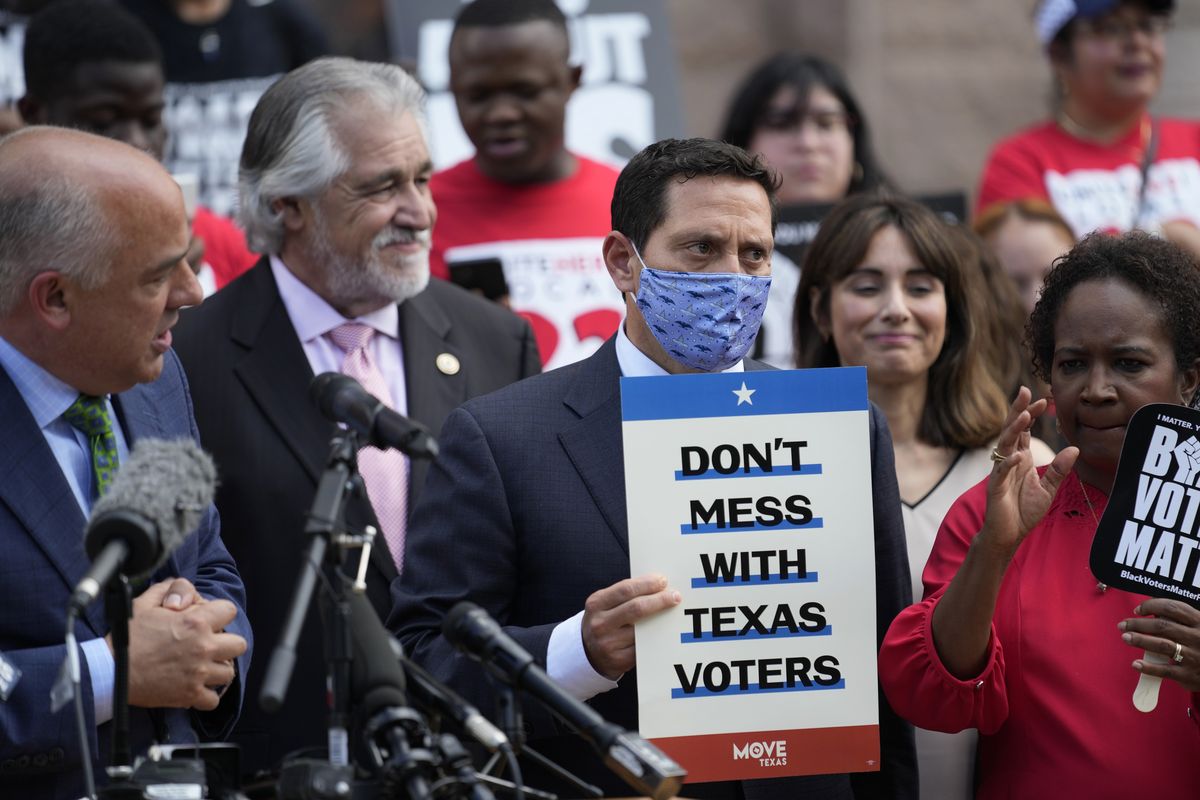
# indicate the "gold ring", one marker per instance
pixel 1178 657
pixel 996 457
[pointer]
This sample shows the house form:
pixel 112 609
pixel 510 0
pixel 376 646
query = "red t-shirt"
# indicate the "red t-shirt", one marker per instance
pixel 548 238
pixel 1096 187
pixel 224 245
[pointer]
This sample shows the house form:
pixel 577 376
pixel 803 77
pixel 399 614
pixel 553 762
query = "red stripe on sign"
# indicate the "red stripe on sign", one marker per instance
pixel 774 754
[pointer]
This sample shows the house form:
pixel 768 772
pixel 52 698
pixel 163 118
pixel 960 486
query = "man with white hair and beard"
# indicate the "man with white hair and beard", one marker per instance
pixel 334 192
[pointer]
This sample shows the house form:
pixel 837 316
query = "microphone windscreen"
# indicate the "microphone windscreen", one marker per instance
pixel 164 485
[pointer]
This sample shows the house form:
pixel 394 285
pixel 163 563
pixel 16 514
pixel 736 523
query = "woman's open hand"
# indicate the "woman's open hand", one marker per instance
pixel 1018 497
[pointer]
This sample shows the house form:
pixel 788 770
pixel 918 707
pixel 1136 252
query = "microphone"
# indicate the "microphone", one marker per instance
pixel 343 399
pixel 435 697
pixel 156 499
pixel 377 688
pixel 375 672
pixel 639 763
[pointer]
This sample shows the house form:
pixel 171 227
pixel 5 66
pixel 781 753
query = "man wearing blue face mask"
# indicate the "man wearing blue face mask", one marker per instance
pixel 524 512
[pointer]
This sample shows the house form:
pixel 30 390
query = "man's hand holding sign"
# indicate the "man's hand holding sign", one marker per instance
pixel 610 614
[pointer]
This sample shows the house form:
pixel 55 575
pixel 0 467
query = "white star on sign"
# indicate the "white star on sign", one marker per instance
pixel 743 394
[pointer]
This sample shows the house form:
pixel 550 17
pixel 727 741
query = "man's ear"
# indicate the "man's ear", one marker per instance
pixel 574 77
pixel 50 297
pixel 622 263
pixel 292 212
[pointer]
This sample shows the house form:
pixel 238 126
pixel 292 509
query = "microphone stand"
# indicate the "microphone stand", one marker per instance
pixel 327 540
pixel 321 529
pixel 118 607
pixel 509 710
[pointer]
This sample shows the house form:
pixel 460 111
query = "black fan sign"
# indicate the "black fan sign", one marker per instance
pixel 1147 541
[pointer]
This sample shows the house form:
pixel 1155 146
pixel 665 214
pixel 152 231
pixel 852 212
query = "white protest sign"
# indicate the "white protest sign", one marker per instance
pixel 751 492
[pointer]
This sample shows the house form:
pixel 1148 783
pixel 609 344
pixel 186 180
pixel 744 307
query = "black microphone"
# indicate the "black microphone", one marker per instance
pixel 377 689
pixel 435 697
pixel 156 499
pixel 343 399
pixel 639 763
pixel 375 672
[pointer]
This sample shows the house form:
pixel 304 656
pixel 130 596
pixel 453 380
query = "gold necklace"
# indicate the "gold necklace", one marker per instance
pixel 1103 587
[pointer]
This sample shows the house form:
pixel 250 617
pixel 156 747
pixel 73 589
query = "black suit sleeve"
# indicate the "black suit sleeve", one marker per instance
pixel 462 544
pixel 897 777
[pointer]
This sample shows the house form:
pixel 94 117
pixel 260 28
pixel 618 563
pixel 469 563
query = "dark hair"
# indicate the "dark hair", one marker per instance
pixel 68 33
pixel 639 198
pixel 1004 322
pixel 1161 270
pixel 802 73
pixel 497 13
pixel 965 405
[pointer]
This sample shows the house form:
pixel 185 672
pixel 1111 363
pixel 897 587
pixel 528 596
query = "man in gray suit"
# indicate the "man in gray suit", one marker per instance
pixel 524 513
pixel 334 186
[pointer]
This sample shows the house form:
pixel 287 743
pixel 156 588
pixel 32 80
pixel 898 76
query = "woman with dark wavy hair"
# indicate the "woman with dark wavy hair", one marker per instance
pixel 887 285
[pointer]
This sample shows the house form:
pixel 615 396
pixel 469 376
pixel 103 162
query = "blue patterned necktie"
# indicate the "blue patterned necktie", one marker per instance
pixel 90 416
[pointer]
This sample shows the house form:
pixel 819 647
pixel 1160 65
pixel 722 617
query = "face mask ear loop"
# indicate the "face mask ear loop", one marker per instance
pixel 639 258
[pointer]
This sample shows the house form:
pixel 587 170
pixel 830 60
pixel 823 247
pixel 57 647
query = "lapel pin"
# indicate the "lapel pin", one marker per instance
pixel 448 364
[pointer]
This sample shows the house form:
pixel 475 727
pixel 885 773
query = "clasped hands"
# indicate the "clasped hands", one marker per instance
pixel 179 653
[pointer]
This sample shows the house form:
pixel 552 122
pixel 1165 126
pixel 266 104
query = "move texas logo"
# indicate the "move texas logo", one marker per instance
pixel 767 754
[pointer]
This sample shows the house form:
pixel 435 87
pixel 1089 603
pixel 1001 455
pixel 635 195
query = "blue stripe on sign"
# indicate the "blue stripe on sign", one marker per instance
pixel 754 688
pixel 702 583
pixel 785 633
pixel 815 522
pixel 719 394
pixel 752 472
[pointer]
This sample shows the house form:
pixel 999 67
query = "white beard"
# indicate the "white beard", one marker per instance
pixel 351 280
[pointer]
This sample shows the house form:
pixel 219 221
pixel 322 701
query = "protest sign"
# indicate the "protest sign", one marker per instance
pixel 751 492
pixel 1146 542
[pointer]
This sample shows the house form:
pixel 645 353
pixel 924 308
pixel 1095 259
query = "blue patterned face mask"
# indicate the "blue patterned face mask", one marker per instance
pixel 704 320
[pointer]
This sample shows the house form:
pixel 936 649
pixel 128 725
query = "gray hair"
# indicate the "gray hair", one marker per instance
pixel 49 222
pixel 291 149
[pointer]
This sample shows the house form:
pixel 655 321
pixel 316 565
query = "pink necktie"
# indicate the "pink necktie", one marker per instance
pixel 385 472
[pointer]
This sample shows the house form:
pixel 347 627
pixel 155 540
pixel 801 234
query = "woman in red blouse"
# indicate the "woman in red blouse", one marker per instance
pixel 1014 637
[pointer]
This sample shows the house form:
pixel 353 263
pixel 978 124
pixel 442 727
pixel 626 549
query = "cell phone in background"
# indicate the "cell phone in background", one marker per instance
pixel 483 275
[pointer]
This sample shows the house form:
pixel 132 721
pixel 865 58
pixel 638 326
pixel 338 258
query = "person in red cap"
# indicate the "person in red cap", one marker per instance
pixel 1104 161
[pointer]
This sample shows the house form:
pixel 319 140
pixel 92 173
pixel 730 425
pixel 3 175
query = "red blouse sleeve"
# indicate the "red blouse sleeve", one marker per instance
pixel 916 682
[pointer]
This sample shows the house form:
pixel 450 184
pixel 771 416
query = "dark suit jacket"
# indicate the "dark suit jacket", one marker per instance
pixel 41 534
pixel 250 382
pixel 524 514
